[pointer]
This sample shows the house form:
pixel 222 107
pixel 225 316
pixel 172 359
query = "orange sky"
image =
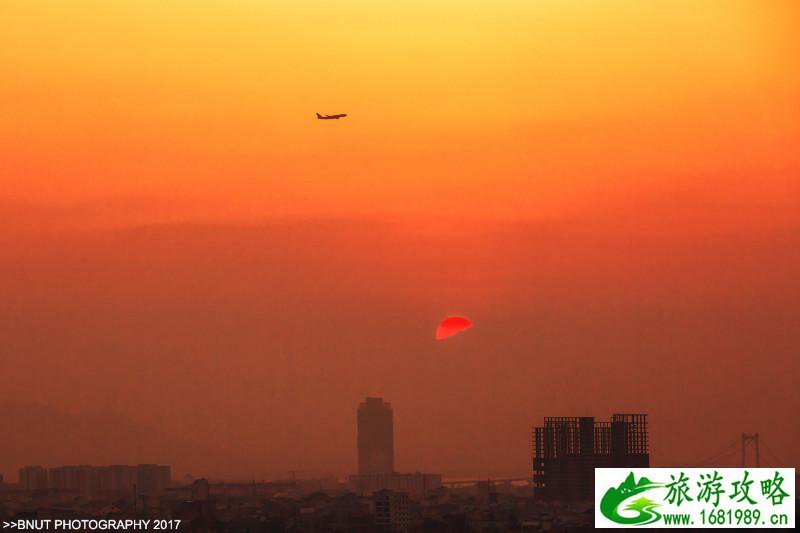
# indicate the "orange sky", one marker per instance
pixel 488 108
pixel 609 190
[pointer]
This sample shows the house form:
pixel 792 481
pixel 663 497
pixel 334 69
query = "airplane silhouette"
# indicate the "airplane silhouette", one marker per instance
pixel 331 117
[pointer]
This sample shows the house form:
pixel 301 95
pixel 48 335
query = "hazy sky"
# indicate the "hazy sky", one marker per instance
pixel 610 191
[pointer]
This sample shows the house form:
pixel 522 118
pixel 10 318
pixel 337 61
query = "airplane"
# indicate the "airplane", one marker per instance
pixel 331 117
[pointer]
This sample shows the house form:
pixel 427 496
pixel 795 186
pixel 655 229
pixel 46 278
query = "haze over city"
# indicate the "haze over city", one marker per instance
pixel 195 271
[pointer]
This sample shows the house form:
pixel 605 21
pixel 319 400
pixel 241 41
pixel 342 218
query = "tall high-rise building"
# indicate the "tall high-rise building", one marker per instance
pixel 375 437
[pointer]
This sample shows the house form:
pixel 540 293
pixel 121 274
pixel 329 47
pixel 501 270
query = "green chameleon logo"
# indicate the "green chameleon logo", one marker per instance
pixel 645 507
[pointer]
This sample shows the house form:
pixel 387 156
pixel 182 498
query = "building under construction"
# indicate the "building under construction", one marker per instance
pixel 567 449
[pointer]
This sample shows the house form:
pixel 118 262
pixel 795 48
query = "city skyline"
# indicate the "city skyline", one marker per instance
pixel 558 491
pixel 622 441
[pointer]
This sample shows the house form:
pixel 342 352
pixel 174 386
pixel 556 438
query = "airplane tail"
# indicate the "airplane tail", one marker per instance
pixel 319 116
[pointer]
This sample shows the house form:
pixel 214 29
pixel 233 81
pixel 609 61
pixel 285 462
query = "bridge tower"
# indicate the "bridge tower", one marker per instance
pixel 751 441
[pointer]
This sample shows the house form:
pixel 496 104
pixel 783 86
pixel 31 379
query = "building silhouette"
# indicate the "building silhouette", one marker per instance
pixel 144 479
pixel 376 456
pixel 152 479
pixel 33 477
pixel 80 478
pixel 390 509
pixel 375 437
pixel 566 450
